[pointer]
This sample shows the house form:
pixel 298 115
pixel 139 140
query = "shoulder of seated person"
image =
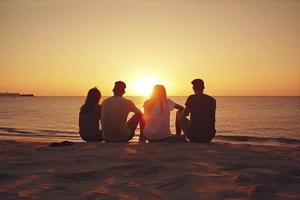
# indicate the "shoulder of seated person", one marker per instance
pixel 191 96
pixel 210 97
pixel 105 100
pixel 127 100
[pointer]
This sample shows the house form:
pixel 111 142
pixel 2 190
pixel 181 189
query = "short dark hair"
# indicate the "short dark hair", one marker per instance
pixel 119 86
pixel 198 83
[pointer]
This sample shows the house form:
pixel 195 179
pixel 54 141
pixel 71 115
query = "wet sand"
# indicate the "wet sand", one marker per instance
pixel 34 170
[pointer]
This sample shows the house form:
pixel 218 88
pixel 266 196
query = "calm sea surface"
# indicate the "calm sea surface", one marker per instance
pixel 57 117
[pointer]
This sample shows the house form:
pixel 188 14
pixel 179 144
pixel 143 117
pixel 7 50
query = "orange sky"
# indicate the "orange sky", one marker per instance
pixel 67 47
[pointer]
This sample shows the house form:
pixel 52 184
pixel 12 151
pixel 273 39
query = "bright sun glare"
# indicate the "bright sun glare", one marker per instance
pixel 144 86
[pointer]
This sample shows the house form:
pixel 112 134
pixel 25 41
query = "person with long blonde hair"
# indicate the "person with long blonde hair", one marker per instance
pixel 156 118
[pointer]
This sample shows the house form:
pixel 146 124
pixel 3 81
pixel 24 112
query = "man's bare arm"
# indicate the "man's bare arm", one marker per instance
pixel 186 111
pixel 179 107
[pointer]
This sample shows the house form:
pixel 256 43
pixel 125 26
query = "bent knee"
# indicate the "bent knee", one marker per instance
pixel 180 114
pixel 179 111
pixel 138 116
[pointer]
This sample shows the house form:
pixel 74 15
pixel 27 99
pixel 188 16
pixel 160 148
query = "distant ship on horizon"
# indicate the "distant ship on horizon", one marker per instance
pixel 9 94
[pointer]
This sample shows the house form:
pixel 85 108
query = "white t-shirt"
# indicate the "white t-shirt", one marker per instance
pixel 157 126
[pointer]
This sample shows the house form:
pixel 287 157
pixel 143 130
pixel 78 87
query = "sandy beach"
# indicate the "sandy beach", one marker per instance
pixel 31 170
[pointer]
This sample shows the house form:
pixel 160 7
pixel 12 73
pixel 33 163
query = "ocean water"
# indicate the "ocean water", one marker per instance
pixel 237 118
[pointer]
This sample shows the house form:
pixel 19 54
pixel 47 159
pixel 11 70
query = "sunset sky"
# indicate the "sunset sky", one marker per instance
pixel 66 47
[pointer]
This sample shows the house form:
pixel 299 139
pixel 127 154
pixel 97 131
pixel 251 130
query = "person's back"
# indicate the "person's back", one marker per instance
pixel 157 111
pixel 114 117
pixel 202 108
pixel 89 117
pixel 115 110
pixel 157 126
pixel 89 123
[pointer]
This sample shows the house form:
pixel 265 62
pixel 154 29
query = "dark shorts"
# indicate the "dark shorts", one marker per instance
pixel 200 137
pixel 130 136
pixel 203 136
pixel 92 137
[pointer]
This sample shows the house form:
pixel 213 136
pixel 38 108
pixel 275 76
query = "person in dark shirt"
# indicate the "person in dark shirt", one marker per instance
pixel 202 109
pixel 89 117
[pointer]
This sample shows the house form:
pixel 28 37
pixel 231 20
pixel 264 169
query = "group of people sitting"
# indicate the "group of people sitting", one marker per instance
pixel 154 122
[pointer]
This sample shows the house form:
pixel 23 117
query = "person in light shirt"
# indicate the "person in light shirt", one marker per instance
pixel 156 119
pixel 115 110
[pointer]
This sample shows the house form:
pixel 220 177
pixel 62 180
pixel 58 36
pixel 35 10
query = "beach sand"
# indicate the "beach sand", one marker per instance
pixel 32 170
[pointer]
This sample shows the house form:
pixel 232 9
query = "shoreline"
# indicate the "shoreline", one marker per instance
pixel 229 139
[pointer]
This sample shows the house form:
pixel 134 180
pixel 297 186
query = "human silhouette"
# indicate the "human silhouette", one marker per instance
pixel 201 108
pixel 115 111
pixel 89 117
pixel 156 126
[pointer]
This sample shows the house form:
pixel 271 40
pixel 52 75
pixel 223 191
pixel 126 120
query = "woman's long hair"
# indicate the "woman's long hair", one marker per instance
pixel 92 101
pixel 159 95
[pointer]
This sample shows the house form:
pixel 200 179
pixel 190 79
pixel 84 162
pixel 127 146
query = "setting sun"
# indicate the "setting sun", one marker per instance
pixel 143 86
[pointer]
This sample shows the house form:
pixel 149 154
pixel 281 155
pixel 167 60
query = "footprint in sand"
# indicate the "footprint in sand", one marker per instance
pixel 263 192
pixel 123 167
pixel 240 178
pixel 79 176
pixel 150 170
pixel 5 177
pixel 295 172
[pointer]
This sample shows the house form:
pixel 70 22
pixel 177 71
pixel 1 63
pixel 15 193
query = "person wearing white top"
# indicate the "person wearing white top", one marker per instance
pixel 156 126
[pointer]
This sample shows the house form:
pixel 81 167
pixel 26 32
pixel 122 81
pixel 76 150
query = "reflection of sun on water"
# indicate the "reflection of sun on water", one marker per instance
pixel 143 86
